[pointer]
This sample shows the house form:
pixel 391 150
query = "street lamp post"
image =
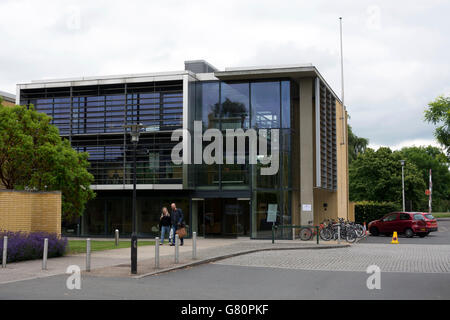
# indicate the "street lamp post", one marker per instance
pixel 134 132
pixel 403 183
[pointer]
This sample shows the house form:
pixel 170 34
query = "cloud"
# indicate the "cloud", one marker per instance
pixel 395 53
pixel 409 143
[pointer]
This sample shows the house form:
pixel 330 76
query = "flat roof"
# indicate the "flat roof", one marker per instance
pixel 294 71
pixel 103 80
pixel 201 61
pixel 269 67
pixel 8 96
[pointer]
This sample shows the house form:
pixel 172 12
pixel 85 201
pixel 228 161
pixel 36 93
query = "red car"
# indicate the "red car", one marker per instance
pixel 408 223
pixel 431 222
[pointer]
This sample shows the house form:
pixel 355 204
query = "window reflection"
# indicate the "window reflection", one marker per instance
pixel 286 104
pixel 235 105
pixel 207 109
pixel 265 104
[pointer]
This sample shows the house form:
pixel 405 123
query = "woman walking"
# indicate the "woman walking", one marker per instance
pixel 165 223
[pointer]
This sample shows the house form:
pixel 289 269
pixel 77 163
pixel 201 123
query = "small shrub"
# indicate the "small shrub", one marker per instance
pixel 28 246
pixel 366 211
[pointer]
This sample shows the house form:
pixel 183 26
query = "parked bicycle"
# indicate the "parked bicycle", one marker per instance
pixel 307 232
pixel 350 231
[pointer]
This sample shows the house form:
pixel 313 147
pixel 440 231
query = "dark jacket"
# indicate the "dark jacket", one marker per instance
pixel 177 217
pixel 165 221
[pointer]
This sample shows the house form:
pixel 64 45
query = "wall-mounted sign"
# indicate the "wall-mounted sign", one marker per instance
pixel 306 207
pixel 272 212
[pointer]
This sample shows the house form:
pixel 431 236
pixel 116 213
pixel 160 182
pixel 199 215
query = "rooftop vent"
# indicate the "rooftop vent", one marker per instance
pixel 199 66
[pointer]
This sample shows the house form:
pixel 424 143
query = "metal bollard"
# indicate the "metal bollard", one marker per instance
pixel 88 254
pixel 194 245
pixel 157 252
pixel 177 248
pixel 44 256
pixel 339 234
pixel 5 251
pixel 317 234
pixel 116 237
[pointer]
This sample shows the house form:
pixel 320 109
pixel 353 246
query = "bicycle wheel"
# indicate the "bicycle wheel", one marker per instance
pixel 359 229
pixel 351 236
pixel 305 234
pixel 325 234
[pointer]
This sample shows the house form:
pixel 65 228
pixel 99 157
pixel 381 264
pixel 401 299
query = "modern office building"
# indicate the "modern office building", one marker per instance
pixel 217 199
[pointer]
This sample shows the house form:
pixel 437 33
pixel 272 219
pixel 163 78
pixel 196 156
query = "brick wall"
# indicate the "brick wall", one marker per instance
pixel 30 211
pixel 8 104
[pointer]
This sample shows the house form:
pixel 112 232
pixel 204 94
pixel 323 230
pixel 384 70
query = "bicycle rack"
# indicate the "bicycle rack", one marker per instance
pixel 274 227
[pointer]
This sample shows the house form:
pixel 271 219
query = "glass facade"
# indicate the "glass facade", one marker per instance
pixel 92 117
pixel 236 196
pixel 250 104
pixel 109 212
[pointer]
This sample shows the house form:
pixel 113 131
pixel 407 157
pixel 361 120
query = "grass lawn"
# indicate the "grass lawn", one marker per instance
pixel 441 214
pixel 79 246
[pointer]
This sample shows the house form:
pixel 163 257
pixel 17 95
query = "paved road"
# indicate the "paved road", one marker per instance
pixel 214 281
pixel 442 236
pixel 407 272
pixel 389 257
pixel 417 268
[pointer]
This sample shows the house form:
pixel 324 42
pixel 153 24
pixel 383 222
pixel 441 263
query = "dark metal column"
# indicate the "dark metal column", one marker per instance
pixel 134 218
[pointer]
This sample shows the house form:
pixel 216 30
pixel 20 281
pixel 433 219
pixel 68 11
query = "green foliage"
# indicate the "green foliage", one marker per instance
pixel 366 211
pixel 79 246
pixel 426 158
pixel 438 113
pixel 33 157
pixel 377 176
pixel 356 145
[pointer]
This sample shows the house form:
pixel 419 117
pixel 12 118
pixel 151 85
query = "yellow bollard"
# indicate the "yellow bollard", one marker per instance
pixel 394 238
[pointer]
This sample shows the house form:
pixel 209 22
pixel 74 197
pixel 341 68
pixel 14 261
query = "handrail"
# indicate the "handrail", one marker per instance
pixel 292 227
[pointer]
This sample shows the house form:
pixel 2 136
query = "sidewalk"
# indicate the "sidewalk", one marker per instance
pixel 116 263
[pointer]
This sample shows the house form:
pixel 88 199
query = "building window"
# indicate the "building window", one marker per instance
pixel 265 100
pixel 235 105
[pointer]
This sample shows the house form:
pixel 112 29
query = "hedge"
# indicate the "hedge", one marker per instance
pixel 366 211
pixel 28 246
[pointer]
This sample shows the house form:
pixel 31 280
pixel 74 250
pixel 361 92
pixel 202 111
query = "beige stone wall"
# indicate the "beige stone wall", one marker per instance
pixel 351 211
pixel 7 103
pixel 342 162
pixel 306 147
pixel 325 205
pixel 30 211
pixel 303 164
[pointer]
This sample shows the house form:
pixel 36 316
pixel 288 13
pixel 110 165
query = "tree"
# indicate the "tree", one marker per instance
pixel 356 145
pixel 426 158
pixel 34 157
pixel 377 176
pixel 438 113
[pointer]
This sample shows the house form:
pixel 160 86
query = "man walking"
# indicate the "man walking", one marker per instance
pixel 177 220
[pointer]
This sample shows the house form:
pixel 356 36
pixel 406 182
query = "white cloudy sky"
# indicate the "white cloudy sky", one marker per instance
pixel 395 52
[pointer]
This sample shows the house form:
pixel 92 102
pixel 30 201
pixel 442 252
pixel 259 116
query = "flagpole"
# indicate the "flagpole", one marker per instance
pixel 429 197
pixel 342 63
pixel 342 84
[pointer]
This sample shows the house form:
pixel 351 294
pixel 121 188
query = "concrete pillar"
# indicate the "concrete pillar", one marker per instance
pixel 306 146
pixel 342 161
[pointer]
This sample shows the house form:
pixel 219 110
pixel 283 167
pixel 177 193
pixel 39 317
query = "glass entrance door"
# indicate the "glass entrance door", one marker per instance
pixel 231 212
pixel 223 217
pixel 243 218
pixel 213 217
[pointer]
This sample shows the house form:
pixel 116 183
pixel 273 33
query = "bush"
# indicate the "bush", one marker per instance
pixel 28 246
pixel 366 211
